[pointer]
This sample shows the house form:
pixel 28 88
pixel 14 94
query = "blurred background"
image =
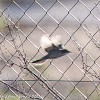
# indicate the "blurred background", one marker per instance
pixel 75 76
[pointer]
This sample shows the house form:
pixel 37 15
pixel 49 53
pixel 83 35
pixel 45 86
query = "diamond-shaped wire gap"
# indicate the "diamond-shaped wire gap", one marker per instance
pixel 13 12
pixel 48 24
pixel 49 97
pixel 28 53
pixel 29 79
pixel 75 95
pixel 94 72
pixel 68 4
pixel 92 50
pixel 89 4
pixel 35 36
pixel 95 68
pixel 58 12
pixel 19 40
pixel 95 95
pixel 4 6
pixel 96 11
pixel 64 86
pixel 63 18
pixel 68 26
pixel 81 37
pixel 35 12
pixel 3 89
pixel 40 89
pixel 8 74
pixel 49 14
pixel 24 4
pixel 51 73
pixel 6 50
pixel 91 24
pixel 7 62
pixel 84 58
pixel 11 82
pixel 95 91
pixel 74 50
pixel 2 25
pixel 26 25
pixel 2 38
pixel 78 10
pixel 97 40
pixel 2 63
pixel 10 32
pixel 98 61
pixel 62 63
pixel 46 3
pixel 75 89
pixel 73 73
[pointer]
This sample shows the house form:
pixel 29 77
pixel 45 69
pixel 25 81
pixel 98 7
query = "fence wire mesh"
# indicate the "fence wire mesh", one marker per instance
pixel 72 77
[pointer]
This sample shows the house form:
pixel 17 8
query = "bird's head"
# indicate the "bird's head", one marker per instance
pixel 65 51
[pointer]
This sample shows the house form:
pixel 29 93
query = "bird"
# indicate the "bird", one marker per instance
pixel 53 47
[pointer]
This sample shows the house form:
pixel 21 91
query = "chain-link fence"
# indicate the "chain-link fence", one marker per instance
pixel 72 77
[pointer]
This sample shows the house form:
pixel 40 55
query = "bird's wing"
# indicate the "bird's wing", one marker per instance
pixel 50 44
pixel 56 40
pixel 51 48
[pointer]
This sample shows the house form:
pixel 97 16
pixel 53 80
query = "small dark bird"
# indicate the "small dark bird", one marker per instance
pixel 53 47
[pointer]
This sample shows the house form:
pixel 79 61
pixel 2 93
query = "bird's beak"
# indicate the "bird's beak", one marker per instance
pixel 70 52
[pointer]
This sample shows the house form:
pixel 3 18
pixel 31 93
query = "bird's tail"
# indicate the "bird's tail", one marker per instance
pixel 42 60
